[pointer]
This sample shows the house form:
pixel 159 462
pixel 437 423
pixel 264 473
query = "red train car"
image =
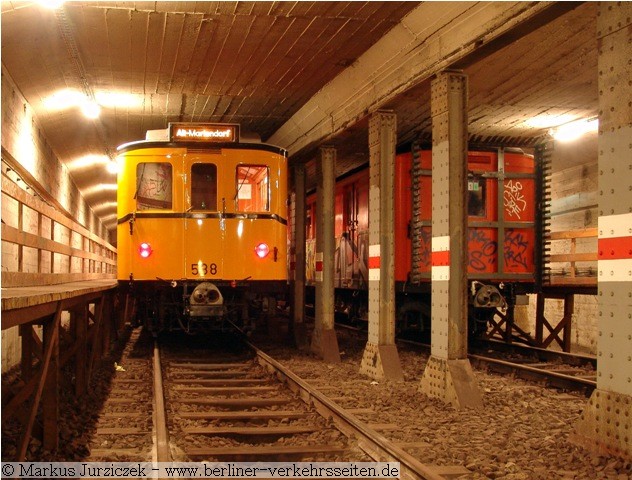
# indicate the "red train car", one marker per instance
pixel 501 236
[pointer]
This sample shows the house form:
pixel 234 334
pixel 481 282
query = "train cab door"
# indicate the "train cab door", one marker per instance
pixel 348 249
pixel 203 223
pixel 360 233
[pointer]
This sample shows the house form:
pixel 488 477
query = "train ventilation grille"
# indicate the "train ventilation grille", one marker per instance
pixel 204 151
pixel 415 221
pixel 543 156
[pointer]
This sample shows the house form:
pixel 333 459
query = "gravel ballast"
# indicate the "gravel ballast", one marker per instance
pixel 522 432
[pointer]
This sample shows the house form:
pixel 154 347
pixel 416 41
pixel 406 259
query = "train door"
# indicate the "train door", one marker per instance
pixel 342 272
pixel 349 239
pixel 361 232
pixel 204 228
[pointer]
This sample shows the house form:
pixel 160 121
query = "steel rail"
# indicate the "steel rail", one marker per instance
pixel 371 442
pixel 527 372
pixel 160 415
pixel 556 379
pixel 542 353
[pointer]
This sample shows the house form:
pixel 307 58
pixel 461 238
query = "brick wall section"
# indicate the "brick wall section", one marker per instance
pixel 26 143
pixel 23 139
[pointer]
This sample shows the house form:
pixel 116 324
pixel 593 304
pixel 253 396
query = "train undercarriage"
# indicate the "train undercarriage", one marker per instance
pixel 197 307
pixel 413 307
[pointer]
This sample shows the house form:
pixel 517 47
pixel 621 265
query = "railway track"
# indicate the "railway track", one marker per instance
pixel 248 407
pixel 555 369
pixel 228 408
pixel 204 404
pixel 562 370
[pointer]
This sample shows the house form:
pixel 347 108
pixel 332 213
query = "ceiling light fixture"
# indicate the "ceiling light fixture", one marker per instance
pixel 574 130
pixel 112 166
pixel 91 109
pixel 69 98
pixel 549 120
pixel 87 162
pixel 51 4
pixel 62 99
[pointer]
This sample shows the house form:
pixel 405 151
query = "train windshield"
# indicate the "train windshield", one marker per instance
pixel 253 188
pixel 153 186
pixel 203 186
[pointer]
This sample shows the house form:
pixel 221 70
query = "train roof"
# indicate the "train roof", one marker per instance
pixel 142 144
pixel 200 136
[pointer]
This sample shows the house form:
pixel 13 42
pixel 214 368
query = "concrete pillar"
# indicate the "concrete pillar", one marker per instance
pixel 448 374
pixel 324 341
pixel 380 359
pixel 297 260
pixel 606 424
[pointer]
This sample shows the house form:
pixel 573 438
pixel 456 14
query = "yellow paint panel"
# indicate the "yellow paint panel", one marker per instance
pixel 204 249
pixel 242 236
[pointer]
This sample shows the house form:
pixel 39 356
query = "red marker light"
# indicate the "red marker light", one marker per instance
pixel 145 250
pixel 262 250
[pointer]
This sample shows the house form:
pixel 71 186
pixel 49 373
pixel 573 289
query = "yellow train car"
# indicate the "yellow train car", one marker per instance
pixel 202 226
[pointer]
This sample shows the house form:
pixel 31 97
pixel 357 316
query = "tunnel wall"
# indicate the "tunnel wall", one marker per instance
pixel 24 143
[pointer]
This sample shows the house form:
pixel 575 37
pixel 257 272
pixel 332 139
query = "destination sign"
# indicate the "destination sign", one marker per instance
pixel 203 132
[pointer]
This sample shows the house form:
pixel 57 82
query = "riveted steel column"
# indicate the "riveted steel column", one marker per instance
pixel 324 341
pixel 448 374
pixel 606 423
pixel 297 257
pixel 380 359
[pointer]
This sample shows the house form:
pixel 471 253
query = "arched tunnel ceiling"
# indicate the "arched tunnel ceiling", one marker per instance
pixel 259 63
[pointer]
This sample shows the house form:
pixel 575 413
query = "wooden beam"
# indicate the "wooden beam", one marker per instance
pixel 15 235
pixel 50 344
pixel 79 320
pixel 50 376
pixel 13 191
pixel 97 345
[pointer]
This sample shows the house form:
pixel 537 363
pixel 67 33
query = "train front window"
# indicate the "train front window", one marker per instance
pixel 153 186
pixel 253 188
pixel 203 186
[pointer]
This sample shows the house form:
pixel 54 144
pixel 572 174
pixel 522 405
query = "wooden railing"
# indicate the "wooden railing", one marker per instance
pixel 41 246
pixel 562 267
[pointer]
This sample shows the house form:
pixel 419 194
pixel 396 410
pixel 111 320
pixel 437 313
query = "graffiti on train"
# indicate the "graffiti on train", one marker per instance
pixel 483 250
pixel 514 199
pixel 518 250
pixel 425 248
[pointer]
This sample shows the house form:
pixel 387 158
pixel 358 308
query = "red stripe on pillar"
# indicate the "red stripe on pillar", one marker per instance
pixel 616 248
pixel 374 262
pixel 319 266
pixel 441 259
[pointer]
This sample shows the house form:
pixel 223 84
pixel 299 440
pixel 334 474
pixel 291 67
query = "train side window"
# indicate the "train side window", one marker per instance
pixel 253 188
pixel 476 197
pixel 153 186
pixel 204 186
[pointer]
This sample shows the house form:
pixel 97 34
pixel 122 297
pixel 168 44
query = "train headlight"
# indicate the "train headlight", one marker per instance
pixel 145 250
pixel 262 250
